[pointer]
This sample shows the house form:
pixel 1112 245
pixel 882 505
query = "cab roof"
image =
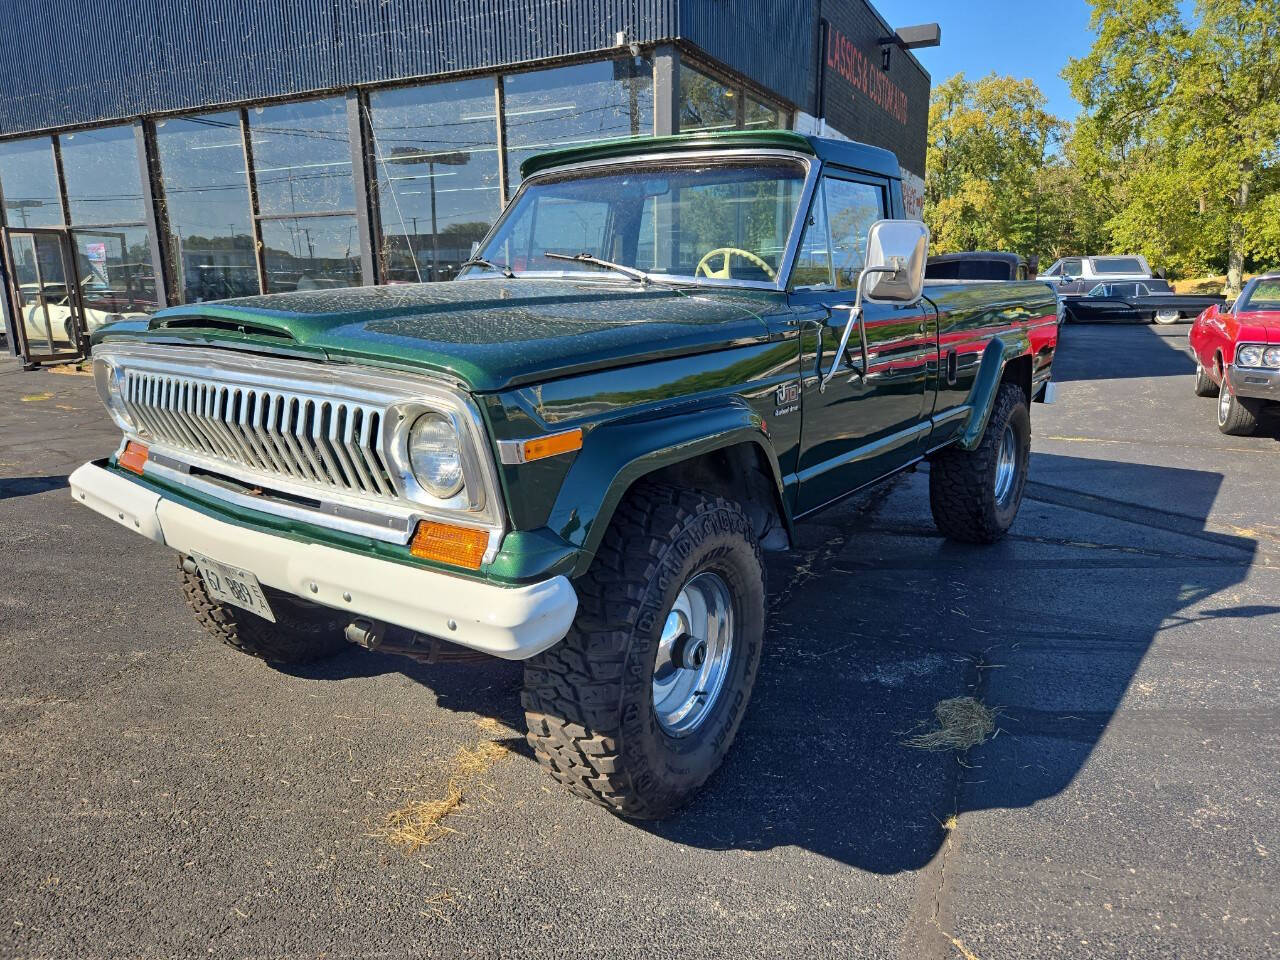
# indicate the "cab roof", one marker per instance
pixel 844 153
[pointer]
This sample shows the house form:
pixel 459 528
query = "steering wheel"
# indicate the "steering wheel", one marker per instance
pixel 704 265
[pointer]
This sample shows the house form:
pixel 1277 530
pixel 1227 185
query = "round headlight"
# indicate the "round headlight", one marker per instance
pixel 1249 355
pixel 104 377
pixel 107 379
pixel 436 455
pixel 1271 358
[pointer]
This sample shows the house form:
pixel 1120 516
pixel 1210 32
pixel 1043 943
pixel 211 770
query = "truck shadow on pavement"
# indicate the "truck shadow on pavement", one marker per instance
pixel 1048 627
pixel 26 486
pixel 876 618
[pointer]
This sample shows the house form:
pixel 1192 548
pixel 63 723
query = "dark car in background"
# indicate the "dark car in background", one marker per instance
pixel 977 265
pixel 1135 301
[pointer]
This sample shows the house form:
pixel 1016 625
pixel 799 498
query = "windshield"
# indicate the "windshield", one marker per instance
pixel 706 219
pixel 1265 295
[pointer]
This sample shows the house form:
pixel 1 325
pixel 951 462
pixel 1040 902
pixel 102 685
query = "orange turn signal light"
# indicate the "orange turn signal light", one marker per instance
pixel 552 445
pixel 459 546
pixel 133 457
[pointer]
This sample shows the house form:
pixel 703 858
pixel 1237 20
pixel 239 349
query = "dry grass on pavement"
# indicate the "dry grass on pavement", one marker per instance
pixel 963 722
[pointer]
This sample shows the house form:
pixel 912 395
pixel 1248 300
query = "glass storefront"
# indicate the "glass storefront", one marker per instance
pixel 30 183
pixel 548 109
pixel 707 104
pixel 302 165
pixel 435 156
pixel 109 235
pixel 311 253
pixel 435 182
pixel 206 192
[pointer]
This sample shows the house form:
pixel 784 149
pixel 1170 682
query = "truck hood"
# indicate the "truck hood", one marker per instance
pixel 490 334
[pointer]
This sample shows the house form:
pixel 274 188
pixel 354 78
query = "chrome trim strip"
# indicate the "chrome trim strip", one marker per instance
pixel 375 525
pixel 954 413
pixel 866 451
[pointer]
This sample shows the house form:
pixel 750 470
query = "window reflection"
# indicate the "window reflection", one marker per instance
pixel 114 270
pixel 104 182
pixel 710 104
pixel 547 109
pixel 705 103
pixel 851 209
pixel 30 183
pixel 210 245
pixel 760 116
pixel 302 157
pixel 813 259
pixel 311 253
pixel 436 160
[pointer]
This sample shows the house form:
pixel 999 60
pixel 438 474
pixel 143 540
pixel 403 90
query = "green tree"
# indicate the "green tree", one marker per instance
pixel 1182 128
pixel 991 162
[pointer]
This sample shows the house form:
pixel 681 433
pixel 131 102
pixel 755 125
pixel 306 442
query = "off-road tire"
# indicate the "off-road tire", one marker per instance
pixel 1205 387
pixel 962 482
pixel 1240 418
pixel 589 700
pixel 301 634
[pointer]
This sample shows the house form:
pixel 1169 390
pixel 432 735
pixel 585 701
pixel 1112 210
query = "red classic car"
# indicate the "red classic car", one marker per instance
pixel 1237 351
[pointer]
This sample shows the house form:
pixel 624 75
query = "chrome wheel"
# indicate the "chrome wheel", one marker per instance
pixel 694 654
pixel 1224 404
pixel 1006 464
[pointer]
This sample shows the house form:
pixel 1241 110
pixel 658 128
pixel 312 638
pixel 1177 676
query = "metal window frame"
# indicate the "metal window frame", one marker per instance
pixel 740 86
pixel 359 191
pixel 153 208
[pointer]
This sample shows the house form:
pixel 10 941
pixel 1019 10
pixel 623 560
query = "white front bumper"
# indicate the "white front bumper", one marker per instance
pixel 510 622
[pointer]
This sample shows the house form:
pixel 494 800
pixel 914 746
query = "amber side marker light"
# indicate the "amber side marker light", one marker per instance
pixel 133 458
pixel 459 546
pixel 553 445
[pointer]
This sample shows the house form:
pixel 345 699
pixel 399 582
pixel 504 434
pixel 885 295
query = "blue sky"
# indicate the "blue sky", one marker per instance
pixel 1022 38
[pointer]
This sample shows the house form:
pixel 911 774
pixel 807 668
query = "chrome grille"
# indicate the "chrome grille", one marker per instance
pixel 316 441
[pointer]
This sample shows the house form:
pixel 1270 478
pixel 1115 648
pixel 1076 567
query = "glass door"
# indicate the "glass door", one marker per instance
pixel 50 317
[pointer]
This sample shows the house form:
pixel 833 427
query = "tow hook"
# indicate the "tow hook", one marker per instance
pixel 366 633
pixel 372 635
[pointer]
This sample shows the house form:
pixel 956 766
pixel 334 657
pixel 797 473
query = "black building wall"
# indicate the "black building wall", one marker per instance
pixel 887 108
pixel 65 63
pixel 69 62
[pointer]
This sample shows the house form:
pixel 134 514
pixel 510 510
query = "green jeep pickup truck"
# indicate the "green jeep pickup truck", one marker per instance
pixel 664 354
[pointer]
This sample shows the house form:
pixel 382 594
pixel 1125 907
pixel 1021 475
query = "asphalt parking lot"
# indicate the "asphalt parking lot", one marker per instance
pixel 162 795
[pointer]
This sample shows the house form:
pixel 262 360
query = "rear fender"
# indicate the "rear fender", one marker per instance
pixel 616 455
pixel 995 358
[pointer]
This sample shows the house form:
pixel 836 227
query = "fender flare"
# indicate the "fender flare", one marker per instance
pixel 617 454
pixel 995 357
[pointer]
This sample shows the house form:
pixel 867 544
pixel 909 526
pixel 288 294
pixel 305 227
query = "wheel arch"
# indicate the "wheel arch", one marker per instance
pixel 1002 362
pixel 724 450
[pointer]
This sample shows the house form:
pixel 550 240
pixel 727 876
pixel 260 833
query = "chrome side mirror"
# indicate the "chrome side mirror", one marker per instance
pixel 897 251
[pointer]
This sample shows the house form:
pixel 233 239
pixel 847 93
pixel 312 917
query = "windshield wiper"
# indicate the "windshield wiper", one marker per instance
pixel 595 261
pixel 490 265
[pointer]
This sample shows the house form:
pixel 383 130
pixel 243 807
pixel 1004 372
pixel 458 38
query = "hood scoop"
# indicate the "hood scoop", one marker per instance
pixel 224 325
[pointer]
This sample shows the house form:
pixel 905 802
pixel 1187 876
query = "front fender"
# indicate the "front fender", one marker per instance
pixel 986 386
pixel 615 455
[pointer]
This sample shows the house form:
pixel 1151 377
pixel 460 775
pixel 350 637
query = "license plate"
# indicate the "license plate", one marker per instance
pixel 228 584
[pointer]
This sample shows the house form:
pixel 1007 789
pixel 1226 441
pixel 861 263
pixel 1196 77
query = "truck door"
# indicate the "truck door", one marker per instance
pixel 863 426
